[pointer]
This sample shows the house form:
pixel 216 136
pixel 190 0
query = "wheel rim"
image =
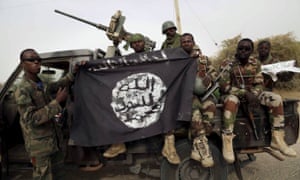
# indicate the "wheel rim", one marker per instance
pixel 190 169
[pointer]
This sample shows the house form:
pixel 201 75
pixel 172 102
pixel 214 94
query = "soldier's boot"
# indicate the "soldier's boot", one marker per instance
pixel 169 150
pixel 278 143
pixel 114 150
pixel 201 151
pixel 227 148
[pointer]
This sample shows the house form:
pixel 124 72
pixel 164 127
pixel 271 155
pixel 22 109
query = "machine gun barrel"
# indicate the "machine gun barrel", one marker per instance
pixel 115 31
pixel 99 26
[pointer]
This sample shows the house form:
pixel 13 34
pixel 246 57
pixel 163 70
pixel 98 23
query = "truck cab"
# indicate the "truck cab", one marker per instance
pixel 54 66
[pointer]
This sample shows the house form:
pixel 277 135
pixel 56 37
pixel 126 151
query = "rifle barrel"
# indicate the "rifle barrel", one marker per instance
pixel 99 26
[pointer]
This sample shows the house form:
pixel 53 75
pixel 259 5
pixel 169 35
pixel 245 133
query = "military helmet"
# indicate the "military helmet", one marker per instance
pixel 167 25
pixel 136 37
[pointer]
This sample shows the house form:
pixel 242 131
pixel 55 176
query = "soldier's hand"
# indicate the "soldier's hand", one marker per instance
pixel 77 66
pixel 252 100
pixel 195 53
pixel 61 95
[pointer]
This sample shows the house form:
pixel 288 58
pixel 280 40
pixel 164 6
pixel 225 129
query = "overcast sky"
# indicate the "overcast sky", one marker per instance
pixel 34 24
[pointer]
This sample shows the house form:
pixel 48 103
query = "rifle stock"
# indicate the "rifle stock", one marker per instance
pixel 249 112
pixel 210 91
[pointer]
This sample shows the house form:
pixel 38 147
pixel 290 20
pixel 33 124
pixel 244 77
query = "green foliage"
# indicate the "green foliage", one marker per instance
pixel 284 47
pixel 227 51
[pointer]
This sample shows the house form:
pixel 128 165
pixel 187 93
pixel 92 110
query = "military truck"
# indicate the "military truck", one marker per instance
pixel 253 134
pixel 57 64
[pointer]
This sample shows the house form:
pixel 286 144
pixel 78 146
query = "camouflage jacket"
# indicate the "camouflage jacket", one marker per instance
pixel 239 79
pixel 37 109
pixel 171 43
pixel 205 68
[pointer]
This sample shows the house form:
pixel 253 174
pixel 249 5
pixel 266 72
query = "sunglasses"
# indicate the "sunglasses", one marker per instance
pixel 33 59
pixel 246 48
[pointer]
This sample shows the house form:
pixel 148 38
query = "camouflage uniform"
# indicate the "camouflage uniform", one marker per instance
pixel 241 79
pixel 248 78
pixel 202 113
pixel 169 150
pixel 172 43
pixel 42 134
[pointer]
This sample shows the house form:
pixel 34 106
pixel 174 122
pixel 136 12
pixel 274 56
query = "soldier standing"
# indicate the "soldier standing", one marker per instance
pixel 244 82
pixel 172 37
pixel 137 43
pixel 265 57
pixel 172 41
pixel 202 112
pixel 41 132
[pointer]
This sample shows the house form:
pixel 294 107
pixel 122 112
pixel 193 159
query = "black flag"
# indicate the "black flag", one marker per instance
pixel 131 97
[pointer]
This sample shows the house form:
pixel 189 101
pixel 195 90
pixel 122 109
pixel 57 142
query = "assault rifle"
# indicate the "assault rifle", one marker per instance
pixel 249 111
pixel 115 31
pixel 216 84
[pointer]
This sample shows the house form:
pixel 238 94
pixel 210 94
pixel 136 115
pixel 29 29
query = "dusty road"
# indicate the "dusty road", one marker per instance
pixel 265 167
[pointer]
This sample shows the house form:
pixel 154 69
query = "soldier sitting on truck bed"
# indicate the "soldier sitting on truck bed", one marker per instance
pixel 265 57
pixel 203 112
pixel 243 83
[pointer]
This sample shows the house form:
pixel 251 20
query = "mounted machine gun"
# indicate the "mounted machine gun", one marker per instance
pixel 115 31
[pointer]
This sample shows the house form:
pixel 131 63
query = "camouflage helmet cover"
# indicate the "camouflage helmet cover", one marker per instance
pixel 136 37
pixel 167 25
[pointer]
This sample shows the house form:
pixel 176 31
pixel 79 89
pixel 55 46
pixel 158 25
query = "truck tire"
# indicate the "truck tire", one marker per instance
pixel 190 169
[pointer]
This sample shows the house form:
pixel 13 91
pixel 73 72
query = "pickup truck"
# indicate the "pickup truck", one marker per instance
pixel 248 140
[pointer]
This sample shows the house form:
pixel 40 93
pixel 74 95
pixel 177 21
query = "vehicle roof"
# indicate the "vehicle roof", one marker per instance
pixel 66 53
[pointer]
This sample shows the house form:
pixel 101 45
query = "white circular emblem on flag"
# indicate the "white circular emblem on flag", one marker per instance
pixel 139 99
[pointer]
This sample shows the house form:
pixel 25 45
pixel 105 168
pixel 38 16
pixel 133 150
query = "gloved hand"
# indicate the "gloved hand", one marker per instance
pixel 252 100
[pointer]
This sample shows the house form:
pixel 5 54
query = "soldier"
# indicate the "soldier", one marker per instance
pixel 172 37
pixel 172 41
pixel 265 57
pixel 137 43
pixel 203 112
pixel 39 117
pixel 243 83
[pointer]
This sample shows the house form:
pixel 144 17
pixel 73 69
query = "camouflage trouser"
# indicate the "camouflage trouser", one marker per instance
pixel 49 167
pixel 271 100
pixel 274 102
pixel 203 114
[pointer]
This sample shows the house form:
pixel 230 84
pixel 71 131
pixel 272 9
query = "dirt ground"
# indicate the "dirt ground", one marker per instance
pixel 265 166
